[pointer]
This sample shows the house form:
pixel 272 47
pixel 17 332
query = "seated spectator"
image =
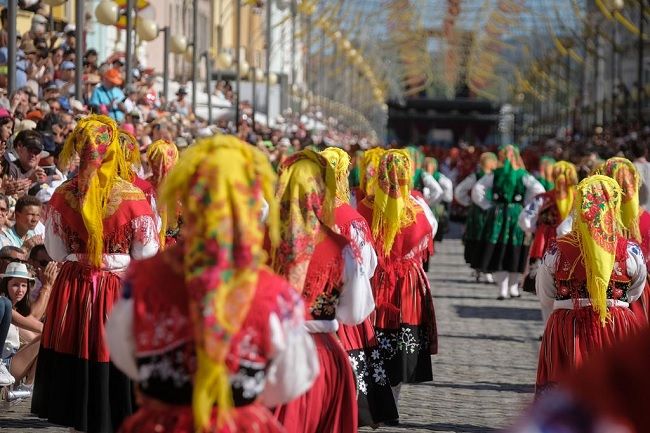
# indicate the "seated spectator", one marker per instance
pixel 5 322
pixel 28 146
pixel 4 213
pixel 11 254
pixel 22 234
pixel 20 348
pixel 43 267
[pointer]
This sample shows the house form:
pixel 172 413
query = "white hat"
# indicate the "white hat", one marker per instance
pixel 39 19
pixel 69 28
pixel 77 105
pixel 17 270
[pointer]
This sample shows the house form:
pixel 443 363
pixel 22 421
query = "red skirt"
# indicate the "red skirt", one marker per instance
pixel 81 301
pixel 544 236
pixel 572 336
pixel 75 384
pixel 330 405
pixel 374 395
pixel 157 417
pixel 405 324
pixel 641 307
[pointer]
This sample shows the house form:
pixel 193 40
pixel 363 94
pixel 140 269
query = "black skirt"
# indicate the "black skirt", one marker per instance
pixel 89 396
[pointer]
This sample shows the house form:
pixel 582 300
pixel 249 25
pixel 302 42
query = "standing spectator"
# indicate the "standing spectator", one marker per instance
pixel 22 234
pixel 107 98
pixel 640 152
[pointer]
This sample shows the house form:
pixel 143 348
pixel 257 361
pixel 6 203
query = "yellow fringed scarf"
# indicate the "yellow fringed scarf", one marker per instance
pixel 131 156
pixel 306 193
pixel 624 172
pixel 220 183
pixel 339 160
pixel 597 228
pixel 162 156
pixel 565 179
pixel 96 140
pixel 368 170
pixel 393 208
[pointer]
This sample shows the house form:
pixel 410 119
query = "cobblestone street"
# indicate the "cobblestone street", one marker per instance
pixel 483 376
pixel 484 373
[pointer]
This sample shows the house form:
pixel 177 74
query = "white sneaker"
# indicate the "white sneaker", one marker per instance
pixel 6 378
pixel 16 394
pixel 489 278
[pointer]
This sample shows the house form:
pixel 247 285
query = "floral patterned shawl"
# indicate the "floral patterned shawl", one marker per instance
pixel 392 207
pixel 625 173
pixel 306 193
pixel 162 156
pixel 340 162
pixel 220 183
pixel 96 140
pixel 565 179
pixel 597 227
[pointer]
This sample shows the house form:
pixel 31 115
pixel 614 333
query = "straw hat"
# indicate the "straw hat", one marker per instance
pixel 17 270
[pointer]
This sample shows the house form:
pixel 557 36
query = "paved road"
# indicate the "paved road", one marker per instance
pixel 484 373
pixel 483 376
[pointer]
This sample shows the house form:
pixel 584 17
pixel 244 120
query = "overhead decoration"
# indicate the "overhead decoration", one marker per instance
pixel 412 45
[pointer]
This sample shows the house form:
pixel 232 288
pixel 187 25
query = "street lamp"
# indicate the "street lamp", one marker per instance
pixel 148 31
pixel 208 76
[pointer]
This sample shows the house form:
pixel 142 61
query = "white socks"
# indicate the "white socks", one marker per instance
pixel 513 281
pixel 396 390
pixel 508 283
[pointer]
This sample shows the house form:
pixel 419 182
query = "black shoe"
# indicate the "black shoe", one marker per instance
pixel 392 422
pixel 501 298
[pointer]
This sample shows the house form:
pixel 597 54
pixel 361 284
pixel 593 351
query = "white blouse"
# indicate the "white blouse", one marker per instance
pixel 480 189
pixel 447 188
pixel 433 222
pixel 142 247
pixel 546 290
pixel 432 190
pixel 294 363
pixel 356 301
pixel 463 191
pixel 528 217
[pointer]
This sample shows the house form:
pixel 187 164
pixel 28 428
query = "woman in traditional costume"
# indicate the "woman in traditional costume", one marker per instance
pixel 545 175
pixel 207 330
pixel 543 215
pixel 475 221
pixel 403 228
pixel 635 219
pixel 130 171
pixel 368 164
pixel 586 282
pixel 325 262
pixel 503 194
pixel 374 397
pixel 95 224
pixel 441 206
pixel 162 156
